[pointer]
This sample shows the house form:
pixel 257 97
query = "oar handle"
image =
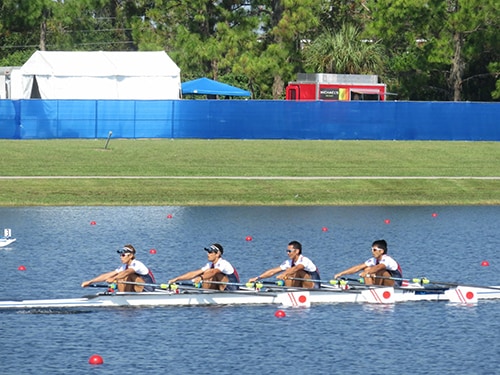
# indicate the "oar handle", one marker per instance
pixel 420 280
pixel 102 285
pixel 159 286
pixel 339 281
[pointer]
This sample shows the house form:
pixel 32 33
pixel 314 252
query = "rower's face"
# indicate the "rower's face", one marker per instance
pixel 213 256
pixel 377 253
pixel 125 257
pixel 292 253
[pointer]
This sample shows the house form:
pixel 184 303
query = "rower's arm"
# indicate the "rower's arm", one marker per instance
pixel 99 278
pixel 351 270
pixel 291 271
pixel 187 276
pixel 266 274
pixel 373 269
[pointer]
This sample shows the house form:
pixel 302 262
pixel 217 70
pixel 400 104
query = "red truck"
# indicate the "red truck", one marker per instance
pixel 346 87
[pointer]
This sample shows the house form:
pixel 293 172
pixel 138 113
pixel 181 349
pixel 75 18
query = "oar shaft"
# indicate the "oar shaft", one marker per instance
pixel 311 280
pixel 99 285
pixel 424 280
pixel 464 285
pixel 159 286
pixel 340 280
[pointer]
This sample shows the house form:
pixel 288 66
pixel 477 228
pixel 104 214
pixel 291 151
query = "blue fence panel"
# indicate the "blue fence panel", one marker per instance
pixel 9 119
pixel 38 119
pixel 77 119
pixel 249 119
pixel 117 116
pixel 154 118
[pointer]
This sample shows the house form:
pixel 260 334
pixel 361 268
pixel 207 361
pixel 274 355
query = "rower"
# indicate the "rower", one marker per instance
pixel 295 269
pixel 217 274
pixel 130 276
pixel 380 269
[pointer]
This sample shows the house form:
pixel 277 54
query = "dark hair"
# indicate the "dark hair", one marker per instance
pixel 381 244
pixel 296 245
pixel 130 248
pixel 219 246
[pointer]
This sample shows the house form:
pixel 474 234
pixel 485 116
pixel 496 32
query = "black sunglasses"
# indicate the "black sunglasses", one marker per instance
pixel 211 250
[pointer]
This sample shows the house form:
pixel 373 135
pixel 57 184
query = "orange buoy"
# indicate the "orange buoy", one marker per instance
pixel 279 314
pixel 96 359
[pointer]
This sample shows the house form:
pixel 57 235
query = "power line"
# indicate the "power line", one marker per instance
pixel 74 44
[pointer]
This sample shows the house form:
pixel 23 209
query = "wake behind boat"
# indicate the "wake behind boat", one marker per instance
pixel 288 297
pixel 7 239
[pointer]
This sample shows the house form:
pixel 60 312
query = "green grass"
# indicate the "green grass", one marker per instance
pixel 154 161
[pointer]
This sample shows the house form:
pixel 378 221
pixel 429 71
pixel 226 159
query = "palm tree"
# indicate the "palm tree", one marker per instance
pixel 344 52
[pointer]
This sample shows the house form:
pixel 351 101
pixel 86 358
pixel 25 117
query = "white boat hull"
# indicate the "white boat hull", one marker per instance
pixel 6 241
pixel 299 298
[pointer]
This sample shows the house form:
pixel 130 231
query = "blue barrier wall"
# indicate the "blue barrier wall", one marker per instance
pixel 249 119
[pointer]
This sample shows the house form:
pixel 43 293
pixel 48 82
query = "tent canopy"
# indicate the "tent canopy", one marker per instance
pixel 100 75
pixel 205 86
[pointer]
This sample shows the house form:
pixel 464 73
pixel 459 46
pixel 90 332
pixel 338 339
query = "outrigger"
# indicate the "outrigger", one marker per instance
pixel 336 291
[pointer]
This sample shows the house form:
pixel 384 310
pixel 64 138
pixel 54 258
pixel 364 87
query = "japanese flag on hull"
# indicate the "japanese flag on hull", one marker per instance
pixel 295 299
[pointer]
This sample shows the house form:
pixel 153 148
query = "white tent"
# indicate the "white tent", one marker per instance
pixel 100 75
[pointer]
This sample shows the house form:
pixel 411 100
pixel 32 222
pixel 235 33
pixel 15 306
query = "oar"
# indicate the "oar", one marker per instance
pixel 340 281
pixel 424 280
pixel 252 285
pixel 102 285
pixel 158 286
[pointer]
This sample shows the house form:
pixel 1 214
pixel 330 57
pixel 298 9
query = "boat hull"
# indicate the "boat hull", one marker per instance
pixel 6 241
pixel 292 298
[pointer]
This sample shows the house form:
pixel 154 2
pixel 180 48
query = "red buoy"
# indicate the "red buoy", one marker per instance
pixel 21 268
pixel 324 229
pixel 169 216
pixel 434 214
pixel 248 238
pixel 96 359
pixel 152 251
pixel 387 221
pixel 485 263
pixel 92 222
pixel 279 314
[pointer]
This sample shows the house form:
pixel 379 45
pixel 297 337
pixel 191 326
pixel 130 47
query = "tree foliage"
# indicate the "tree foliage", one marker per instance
pixel 425 49
pixel 344 52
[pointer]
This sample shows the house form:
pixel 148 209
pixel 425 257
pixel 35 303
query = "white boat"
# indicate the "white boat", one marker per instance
pixel 278 296
pixel 7 239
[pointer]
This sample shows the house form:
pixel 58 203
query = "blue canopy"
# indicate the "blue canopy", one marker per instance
pixel 205 86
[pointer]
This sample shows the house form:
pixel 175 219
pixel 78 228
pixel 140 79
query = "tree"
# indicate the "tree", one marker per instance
pixel 22 28
pixel 344 52
pixel 436 46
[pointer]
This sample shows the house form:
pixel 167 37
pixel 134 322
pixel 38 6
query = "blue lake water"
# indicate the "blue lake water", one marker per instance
pixel 60 248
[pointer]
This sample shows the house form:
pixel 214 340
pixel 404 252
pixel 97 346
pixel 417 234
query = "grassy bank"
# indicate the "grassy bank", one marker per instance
pixel 163 172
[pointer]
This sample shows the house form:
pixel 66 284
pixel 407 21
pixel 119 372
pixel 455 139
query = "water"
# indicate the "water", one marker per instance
pixel 60 248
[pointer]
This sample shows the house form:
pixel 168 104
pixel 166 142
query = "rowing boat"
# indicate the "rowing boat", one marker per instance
pixel 285 297
pixel 6 239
